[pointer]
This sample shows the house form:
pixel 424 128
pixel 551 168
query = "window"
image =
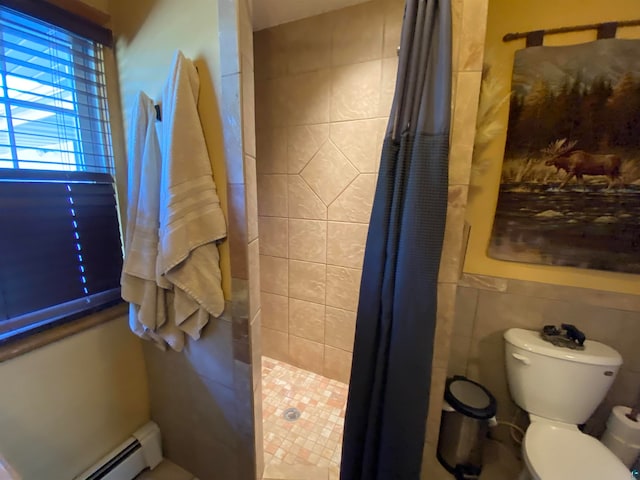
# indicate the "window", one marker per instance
pixel 60 250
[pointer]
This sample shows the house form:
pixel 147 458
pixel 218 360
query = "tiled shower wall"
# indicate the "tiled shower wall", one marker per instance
pixel 324 88
pixel 468 37
pixel 323 92
pixel 487 306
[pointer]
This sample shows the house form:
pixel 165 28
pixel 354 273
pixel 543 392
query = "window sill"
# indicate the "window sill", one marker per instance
pixel 19 347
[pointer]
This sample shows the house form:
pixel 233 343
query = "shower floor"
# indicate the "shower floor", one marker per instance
pixel 315 438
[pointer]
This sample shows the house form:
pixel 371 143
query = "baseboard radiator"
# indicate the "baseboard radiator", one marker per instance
pixel 140 451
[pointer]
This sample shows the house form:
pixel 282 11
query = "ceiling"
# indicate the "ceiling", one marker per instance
pixel 268 13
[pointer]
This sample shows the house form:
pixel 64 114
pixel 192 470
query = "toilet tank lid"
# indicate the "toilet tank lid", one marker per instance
pixel 594 353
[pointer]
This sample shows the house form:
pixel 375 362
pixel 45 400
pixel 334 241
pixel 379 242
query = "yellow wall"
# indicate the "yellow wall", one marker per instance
pixel 99 4
pixel 148 32
pixel 64 406
pixel 67 404
pixel 516 16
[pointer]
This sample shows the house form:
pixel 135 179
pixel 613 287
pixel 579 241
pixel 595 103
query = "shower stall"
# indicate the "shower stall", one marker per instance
pixel 323 91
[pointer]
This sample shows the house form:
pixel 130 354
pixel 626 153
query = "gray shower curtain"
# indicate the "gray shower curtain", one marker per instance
pixel 391 372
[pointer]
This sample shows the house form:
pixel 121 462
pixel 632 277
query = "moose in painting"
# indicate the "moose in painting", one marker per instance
pixel 577 163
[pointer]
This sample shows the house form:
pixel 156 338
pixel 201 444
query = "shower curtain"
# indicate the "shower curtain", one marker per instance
pixel 390 376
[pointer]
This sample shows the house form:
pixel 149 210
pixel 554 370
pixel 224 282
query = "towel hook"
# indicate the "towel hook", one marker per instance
pixel 158 114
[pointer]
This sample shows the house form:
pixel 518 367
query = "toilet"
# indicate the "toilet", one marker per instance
pixel 560 388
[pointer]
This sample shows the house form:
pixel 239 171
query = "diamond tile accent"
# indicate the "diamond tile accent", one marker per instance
pixel 355 203
pixel 329 172
pixel 303 143
pixel 303 202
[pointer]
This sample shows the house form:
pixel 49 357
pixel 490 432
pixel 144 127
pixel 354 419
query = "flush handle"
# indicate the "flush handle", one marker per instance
pixel 521 358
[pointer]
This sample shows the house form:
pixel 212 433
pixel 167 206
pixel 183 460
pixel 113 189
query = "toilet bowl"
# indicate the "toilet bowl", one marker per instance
pixel 562 452
pixel 560 388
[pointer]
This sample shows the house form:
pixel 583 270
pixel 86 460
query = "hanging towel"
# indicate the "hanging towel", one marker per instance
pixel 171 274
pixel 191 219
pixel 147 301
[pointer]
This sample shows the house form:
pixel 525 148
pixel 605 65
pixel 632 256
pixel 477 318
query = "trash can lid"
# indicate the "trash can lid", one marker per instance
pixel 469 398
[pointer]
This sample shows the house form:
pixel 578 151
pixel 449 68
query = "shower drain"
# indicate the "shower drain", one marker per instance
pixel 291 414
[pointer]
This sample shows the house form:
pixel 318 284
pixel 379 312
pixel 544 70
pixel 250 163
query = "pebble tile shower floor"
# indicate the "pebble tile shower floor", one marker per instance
pixel 315 438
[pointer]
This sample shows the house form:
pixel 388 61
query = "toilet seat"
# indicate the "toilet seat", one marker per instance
pixel 554 452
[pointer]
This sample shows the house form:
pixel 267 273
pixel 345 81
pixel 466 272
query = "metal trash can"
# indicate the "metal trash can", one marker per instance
pixel 467 410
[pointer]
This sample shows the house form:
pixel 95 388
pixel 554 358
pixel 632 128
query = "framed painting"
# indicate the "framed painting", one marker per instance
pixel 570 185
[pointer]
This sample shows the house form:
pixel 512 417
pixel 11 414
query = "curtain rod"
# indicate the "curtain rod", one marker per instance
pixel 578 28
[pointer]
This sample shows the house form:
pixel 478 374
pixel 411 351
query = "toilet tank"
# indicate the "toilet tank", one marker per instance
pixel 558 383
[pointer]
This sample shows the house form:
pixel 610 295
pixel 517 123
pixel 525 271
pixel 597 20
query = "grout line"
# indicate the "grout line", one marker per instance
pixel 317 148
pixel 326 449
pixel 347 159
pixel 345 188
pixel 312 190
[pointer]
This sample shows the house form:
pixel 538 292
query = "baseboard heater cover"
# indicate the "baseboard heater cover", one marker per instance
pixel 140 451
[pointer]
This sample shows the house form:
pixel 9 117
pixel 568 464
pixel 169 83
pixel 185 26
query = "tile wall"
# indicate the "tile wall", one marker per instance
pixel 238 118
pixel 193 400
pixel 487 306
pixel 207 399
pixel 323 91
pixel 324 87
pixel 468 36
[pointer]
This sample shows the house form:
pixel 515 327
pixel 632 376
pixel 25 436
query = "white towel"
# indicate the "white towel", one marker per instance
pixel 191 220
pixel 171 274
pixel 148 302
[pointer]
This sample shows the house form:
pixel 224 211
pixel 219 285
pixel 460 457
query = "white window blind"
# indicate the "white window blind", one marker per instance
pixel 60 250
pixel 54 107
